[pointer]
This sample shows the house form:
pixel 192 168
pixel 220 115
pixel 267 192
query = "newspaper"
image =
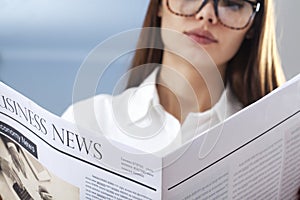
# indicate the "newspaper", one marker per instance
pixel 254 154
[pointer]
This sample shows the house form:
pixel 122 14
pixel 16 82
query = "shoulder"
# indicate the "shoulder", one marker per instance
pixel 102 110
pixel 86 113
pixel 83 106
pixel 81 112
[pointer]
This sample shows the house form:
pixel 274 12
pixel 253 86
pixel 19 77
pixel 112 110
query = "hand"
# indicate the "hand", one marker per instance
pixel 7 169
pixel 18 162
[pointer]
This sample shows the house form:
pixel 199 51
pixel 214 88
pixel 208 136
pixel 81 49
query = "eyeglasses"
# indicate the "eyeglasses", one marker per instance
pixel 234 14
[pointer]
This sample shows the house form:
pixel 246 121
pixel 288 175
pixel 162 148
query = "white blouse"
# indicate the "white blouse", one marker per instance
pixel 136 118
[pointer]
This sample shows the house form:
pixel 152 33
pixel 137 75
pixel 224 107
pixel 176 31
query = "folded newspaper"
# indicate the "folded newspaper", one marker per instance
pixel 254 154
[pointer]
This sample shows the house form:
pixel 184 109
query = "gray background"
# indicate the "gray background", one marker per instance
pixel 44 42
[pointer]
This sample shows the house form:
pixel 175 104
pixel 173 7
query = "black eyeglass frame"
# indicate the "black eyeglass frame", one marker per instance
pixel 255 7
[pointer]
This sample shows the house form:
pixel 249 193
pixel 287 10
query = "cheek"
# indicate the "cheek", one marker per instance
pixel 170 31
pixel 170 21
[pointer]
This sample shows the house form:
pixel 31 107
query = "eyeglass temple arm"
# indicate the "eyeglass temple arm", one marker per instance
pixel 256 5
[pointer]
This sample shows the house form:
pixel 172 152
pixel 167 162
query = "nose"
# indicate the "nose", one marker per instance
pixel 207 12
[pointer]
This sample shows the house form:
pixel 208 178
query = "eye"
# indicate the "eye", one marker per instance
pixel 234 5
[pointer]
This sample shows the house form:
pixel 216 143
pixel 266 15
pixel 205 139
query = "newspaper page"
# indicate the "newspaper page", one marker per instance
pixel 45 157
pixel 255 154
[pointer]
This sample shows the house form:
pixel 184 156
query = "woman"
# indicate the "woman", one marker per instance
pixel 170 98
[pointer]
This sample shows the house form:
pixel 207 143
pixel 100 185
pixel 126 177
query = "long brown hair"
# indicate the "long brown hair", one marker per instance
pixel 252 73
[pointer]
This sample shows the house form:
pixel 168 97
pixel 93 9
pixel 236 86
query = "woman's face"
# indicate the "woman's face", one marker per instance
pixel 220 42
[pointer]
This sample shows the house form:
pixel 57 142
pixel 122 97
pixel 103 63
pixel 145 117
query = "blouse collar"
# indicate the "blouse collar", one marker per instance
pixel 145 98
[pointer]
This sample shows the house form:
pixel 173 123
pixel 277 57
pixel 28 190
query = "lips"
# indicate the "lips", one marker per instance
pixel 200 36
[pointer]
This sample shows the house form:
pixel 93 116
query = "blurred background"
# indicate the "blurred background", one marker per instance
pixel 44 42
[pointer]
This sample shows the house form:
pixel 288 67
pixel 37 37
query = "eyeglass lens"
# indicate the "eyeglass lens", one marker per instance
pixel 232 13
